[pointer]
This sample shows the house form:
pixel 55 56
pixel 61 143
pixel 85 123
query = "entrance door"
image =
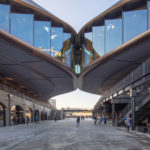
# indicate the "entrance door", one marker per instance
pixel 2 116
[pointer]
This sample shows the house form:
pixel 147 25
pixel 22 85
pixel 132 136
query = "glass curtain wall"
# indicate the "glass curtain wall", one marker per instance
pixel 56 41
pixel 42 35
pixel 68 57
pixel 22 27
pixel 88 56
pixel 4 17
pixel 113 34
pixel 148 7
pixel 133 26
pixel 66 36
pixel 98 40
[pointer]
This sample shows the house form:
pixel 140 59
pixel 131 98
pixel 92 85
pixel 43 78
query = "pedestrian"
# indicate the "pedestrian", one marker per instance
pixel 105 120
pixel 78 122
pixel 127 122
pixel 55 119
pixel 99 119
pixel 95 120
pixel 36 119
pixel 28 120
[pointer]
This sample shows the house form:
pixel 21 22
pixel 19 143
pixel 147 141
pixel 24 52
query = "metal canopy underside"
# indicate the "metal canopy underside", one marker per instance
pixel 40 73
pixel 103 73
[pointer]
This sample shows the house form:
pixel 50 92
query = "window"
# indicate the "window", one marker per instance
pixel 4 17
pixel 42 35
pixel 133 26
pixel 113 34
pixel 66 36
pixel 22 27
pixel 98 40
pixel 56 40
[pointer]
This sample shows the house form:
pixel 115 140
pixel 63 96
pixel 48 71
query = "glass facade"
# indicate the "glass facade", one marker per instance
pixel 113 34
pixel 100 37
pixel 135 23
pixel 42 35
pixel 148 7
pixel 98 40
pixel 88 56
pixel 56 40
pixel 22 27
pixel 66 36
pixel 68 57
pixel 4 17
pixel 88 36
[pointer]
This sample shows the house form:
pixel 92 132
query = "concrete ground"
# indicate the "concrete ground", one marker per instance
pixel 63 135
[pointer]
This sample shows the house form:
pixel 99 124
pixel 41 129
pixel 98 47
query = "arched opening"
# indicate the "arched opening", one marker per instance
pixel 17 116
pixel 29 115
pixel 2 115
pixel 36 115
pixel 42 115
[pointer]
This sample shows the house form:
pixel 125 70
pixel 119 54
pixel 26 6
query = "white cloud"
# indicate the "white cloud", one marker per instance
pixel 53 36
pixel 46 28
pixel 110 26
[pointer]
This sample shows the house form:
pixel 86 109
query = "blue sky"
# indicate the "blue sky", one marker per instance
pixel 76 13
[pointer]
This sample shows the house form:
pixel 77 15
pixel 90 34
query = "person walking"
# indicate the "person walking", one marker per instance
pixel 128 122
pixel 99 119
pixel 105 120
pixel 28 120
pixel 95 120
pixel 78 122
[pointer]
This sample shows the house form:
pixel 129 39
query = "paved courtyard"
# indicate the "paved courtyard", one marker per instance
pixel 63 135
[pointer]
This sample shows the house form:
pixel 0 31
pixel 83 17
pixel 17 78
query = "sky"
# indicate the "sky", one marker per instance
pixel 76 13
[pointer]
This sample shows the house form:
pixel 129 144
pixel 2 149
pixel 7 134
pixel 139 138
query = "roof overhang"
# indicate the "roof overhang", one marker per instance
pixel 106 71
pixel 42 74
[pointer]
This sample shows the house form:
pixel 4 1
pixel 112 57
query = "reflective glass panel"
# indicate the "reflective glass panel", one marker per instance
pixel 22 27
pixel 66 36
pixel 88 36
pixel 87 56
pixel 135 23
pixel 68 57
pixel 148 7
pixel 113 34
pixel 42 35
pixel 56 40
pixel 98 40
pixel 4 17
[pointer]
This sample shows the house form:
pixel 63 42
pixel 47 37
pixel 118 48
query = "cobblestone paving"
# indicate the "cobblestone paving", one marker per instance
pixel 63 135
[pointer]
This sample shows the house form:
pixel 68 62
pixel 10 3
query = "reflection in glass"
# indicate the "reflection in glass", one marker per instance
pixel 88 36
pixel 113 34
pixel 42 35
pixel 4 17
pixel 133 26
pixel 148 7
pixel 68 58
pixel 56 40
pixel 98 40
pixel 22 27
pixel 66 36
pixel 87 56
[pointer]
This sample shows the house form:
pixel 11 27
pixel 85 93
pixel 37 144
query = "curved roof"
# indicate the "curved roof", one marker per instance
pixel 37 71
pixel 34 6
pixel 103 73
pixel 113 10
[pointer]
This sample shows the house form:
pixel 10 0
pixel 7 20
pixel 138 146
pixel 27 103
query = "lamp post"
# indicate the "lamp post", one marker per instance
pixel 9 105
